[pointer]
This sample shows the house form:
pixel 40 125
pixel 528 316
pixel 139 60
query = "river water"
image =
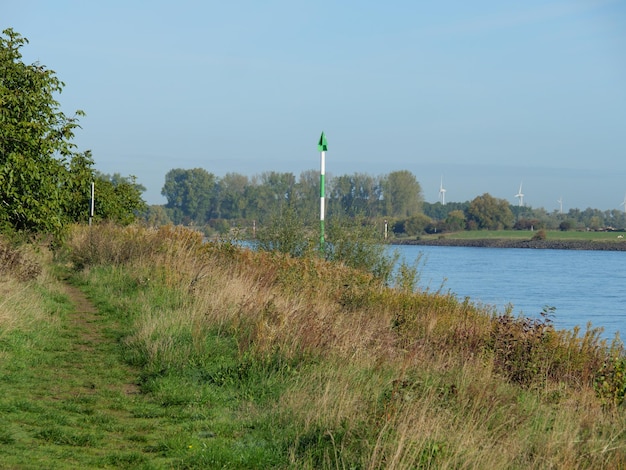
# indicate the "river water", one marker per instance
pixel 583 286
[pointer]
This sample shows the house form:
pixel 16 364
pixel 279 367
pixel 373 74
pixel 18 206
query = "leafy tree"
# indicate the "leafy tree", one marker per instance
pixel 155 216
pixel 277 188
pixel 490 213
pixel 268 194
pixel 416 224
pixel 528 224
pixel 440 211
pixel 354 195
pixel 402 194
pixel 455 221
pixel 35 142
pixel 77 187
pixel 44 183
pixel 190 195
pixel 118 198
pixel 231 196
pixel 307 198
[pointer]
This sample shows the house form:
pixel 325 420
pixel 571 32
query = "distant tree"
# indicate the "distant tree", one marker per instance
pixel 118 198
pixel 156 216
pixel 268 194
pixel 528 224
pixel 490 213
pixel 439 211
pixel 231 191
pixel 455 221
pixel 596 222
pixel 416 224
pixel 354 195
pixel 190 195
pixel 402 194
pixel 307 198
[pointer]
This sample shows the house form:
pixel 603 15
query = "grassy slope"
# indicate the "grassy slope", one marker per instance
pixel 250 361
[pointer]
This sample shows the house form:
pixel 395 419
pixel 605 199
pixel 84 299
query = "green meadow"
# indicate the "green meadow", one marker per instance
pixel 150 349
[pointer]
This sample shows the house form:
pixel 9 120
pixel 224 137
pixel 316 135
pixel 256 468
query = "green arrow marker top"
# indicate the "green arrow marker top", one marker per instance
pixel 322 145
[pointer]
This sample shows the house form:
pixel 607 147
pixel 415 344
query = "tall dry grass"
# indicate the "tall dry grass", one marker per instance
pixel 385 378
pixel 23 281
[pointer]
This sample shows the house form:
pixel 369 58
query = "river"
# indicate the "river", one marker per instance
pixel 583 286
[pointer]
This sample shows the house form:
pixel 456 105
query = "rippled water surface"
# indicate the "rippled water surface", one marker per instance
pixel 583 286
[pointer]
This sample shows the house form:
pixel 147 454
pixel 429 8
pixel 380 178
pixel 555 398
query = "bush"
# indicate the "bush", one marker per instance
pixel 14 262
pixel 539 235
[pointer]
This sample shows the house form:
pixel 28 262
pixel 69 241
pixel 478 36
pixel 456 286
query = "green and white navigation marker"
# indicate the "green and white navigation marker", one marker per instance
pixel 322 146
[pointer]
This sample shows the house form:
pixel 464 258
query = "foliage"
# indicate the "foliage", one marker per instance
pixel 189 195
pixel 490 213
pixel 155 216
pixel 401 194
pixel 44 182
pixel 17 263
pixel 250 359
pixel 455 221
pixel 196 196
pixel 416 224
pixel 610 380
pixel 358 244
pixel 118 198
pixel 356 195
pixel 285 233
pixel 35 141
pixel 541 234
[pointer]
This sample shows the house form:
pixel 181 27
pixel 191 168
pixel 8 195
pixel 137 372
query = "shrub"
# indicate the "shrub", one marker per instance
pixel 610 381
pixel 539 235
pixel 14 262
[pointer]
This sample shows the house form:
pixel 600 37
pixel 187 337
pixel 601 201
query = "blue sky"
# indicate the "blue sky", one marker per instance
pixel 487 94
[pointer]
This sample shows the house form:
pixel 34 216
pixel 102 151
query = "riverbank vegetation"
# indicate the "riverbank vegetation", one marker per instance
pixel 205 355
pixel 393 203
pixel 123 346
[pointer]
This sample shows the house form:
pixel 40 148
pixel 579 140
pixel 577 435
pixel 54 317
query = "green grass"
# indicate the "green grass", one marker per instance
pixel 67 404
pixel 255 364
pixel 526 235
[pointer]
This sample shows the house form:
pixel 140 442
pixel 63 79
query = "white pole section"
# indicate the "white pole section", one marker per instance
pixel 92 202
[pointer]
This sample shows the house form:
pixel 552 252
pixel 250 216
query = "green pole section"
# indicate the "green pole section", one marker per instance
pixel 322 193
pixel 322 146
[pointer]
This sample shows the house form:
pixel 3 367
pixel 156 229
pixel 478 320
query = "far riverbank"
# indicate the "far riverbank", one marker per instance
pixel 604 245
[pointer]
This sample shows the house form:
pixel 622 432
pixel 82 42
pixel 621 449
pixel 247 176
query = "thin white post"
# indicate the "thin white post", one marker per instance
pixel 91 202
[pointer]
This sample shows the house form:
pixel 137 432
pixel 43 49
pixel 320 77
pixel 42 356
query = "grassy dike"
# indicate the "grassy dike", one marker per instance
pixel 196 355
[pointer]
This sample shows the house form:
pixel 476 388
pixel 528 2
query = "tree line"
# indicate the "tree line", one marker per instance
pixel 197 197
pixel 200 198
pixel 45 182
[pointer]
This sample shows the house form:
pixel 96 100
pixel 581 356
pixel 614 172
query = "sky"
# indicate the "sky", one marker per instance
pixel 486 95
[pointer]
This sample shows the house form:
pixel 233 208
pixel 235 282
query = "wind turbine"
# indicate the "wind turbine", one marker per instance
pixel 520 196
pixel 560 201
pixel 442 193
pixel 624 204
